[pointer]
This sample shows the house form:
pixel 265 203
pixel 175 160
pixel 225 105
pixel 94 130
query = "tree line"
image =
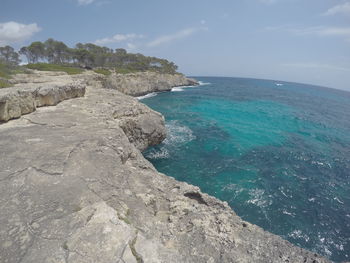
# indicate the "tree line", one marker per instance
pixel 84 55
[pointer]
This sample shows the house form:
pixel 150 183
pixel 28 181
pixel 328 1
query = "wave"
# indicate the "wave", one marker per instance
pixel 201 83
pixel 258 198
pixel 177 135
pixel 181 88
pixel 298 234
pixel 160 153
pixel 177 89
pixel 174 89
pixel 149 95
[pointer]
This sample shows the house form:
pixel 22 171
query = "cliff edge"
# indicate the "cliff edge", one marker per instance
pixel 76 188
pixel 141 83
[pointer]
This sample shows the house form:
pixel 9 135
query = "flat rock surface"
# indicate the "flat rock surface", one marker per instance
pixel 74 187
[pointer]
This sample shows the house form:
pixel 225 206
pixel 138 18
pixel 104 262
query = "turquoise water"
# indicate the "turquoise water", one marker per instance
pixel 277 152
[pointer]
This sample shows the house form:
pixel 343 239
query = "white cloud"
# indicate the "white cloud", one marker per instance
pixel 339 9
pixel 176 36
pixel 13 32
pixel 85 2
pixel 131 46
pixel 117 39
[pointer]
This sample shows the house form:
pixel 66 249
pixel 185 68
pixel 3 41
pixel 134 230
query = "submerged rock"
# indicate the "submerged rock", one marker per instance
pixel 76 188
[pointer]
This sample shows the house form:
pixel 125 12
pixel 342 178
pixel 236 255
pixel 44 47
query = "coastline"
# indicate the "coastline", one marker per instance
pixel 73 177
pixel 173 89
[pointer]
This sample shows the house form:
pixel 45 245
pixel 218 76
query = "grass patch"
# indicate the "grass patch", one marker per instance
pixel 132 244
pixel 21 70
pixel 125 70
pixel 4 84
pixel 54 67
pixel 105 72
pixel 5 71
pixel 65 245
pixel 125 219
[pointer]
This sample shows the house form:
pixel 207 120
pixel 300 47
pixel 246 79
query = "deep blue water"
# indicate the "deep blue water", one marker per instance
pixel 277 152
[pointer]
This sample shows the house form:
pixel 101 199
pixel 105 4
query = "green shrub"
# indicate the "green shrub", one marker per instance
pixel 105 72
pixel 54 67
pixel 5 71
pixel 125 70
pixel 4 84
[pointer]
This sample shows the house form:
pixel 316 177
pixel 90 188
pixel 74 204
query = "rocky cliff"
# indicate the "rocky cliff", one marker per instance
pixel 42 91
pixel 74 187
pixel 138 84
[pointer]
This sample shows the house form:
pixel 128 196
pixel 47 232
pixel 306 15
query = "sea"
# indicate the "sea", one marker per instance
pixel 277 152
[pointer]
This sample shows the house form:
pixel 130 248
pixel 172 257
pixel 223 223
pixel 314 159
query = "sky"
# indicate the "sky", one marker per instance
pixel 304 41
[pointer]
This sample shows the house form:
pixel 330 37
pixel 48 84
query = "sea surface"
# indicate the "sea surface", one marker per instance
pixel 277 152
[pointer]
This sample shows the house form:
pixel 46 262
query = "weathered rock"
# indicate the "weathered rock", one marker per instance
pixel 138 84
pixel 23 98
pixel 74 187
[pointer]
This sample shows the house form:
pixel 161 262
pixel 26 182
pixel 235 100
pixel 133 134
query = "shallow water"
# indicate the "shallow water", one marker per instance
pixel 277 152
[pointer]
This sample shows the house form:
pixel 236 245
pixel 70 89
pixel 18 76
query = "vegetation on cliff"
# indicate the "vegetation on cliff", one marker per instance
pixel 54 67
pixel 88 56
pixel 9 60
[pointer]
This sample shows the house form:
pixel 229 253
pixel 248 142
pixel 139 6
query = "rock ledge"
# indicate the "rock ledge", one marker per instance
pixel 23 98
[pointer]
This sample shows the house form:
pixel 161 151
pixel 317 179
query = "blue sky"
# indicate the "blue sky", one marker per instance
pixel 294 40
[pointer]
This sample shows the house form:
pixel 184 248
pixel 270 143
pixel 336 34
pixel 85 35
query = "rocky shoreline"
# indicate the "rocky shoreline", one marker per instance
pixel 142 83
pixel 76 188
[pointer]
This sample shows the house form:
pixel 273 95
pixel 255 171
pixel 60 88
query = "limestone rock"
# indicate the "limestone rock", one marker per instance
pixel 141 83
pixel 23 98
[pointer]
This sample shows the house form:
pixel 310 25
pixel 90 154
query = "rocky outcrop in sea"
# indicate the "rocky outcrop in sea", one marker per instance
pixel 141 83
pixel 75 187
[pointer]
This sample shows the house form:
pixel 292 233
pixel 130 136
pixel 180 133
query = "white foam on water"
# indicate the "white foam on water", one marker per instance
pixel 201 83
pixel 338 200
pixel 288 213
pixel 177 134
pixel 299 234
pixel 279 84
pixel 258 198
pixel 177 89
pixel 235 189
pixel 149 95
pixel 181 88
pixel 281 190
pixel 162 153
